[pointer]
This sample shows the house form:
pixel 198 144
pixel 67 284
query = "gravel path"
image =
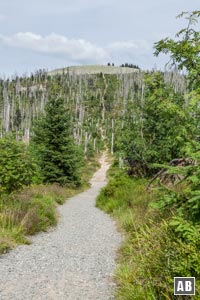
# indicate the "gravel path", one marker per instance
pixel 74 261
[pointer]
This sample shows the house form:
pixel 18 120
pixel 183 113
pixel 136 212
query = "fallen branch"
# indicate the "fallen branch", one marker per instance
pixel 180 162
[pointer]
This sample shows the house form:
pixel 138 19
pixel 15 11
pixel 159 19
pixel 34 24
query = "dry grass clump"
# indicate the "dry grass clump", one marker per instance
pixel 30 211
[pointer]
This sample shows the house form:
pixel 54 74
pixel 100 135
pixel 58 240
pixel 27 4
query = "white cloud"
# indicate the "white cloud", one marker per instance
pixel 129 45
pixel 74 49
pixel 78 50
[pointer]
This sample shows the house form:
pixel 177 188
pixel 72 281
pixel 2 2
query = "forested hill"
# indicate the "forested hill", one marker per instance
pixel 93 69
pixel 99 98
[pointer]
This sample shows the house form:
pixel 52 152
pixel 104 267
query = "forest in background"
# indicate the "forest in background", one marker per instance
pixel 53 125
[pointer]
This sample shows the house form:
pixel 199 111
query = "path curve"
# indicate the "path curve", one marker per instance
pixel 74 261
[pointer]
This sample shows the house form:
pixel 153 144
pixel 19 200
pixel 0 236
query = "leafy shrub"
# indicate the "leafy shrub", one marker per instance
pixel 159 245
pixel 117 191
pixel 17 168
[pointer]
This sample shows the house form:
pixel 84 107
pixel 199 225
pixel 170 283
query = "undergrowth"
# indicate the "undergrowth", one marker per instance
pixel 33 209
pixel 152 253
pixel 28 212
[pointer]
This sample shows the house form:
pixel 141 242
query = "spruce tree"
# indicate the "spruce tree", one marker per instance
pixel 59 156
pixel 17 166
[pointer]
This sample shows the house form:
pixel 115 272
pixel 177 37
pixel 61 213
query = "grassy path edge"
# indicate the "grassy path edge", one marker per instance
pixel 34 209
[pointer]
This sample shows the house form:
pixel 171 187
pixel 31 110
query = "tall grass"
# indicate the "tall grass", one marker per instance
pixel 28 212
pixel 151 254
pixel 34 209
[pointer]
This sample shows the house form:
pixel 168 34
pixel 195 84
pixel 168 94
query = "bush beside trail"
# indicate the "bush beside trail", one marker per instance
pixel 158 246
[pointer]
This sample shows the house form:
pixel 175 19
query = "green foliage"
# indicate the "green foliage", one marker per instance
pixel 184 51
pixel 116 192
pixel 151 120
pixel 60 157
pixel 165 121
pixel 185 203
pixel 183 200
pixel 17 168
pixel 158 246
pixel 159 130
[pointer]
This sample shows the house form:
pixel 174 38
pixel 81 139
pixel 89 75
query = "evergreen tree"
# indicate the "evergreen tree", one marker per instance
pixel 59 157
pixel 17 166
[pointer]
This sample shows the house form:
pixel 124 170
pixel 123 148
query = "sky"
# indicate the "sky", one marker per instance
pixel 51 34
